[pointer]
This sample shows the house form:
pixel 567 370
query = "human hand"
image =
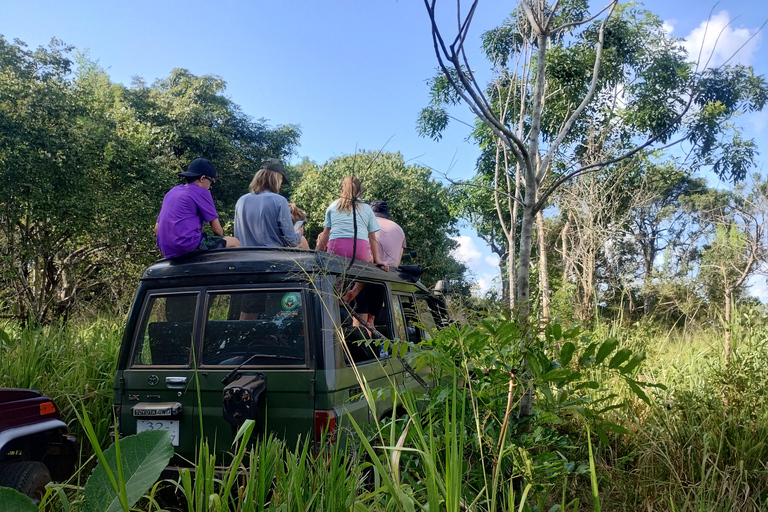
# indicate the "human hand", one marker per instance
pixel 382 264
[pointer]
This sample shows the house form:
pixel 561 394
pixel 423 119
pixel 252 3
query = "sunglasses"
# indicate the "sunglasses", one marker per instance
pixel 212 180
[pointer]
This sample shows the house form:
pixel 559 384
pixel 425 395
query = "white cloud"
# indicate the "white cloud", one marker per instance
pixel 718 41
pixel 467 252
pixel 492 260
pixel 668 26
pixel 485 283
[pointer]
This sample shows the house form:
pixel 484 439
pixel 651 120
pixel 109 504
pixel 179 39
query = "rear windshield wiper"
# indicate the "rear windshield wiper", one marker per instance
pixel 231 374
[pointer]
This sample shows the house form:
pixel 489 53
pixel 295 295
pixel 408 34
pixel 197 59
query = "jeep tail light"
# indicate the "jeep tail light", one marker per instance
pixel 47 408
pixel 325 424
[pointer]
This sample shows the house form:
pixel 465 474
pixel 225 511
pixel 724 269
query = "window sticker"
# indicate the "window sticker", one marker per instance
pixel 291 301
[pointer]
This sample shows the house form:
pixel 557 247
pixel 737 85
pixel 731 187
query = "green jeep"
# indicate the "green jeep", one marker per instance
pixel 263 333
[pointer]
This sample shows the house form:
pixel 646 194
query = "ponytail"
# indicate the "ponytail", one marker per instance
pixel 350 191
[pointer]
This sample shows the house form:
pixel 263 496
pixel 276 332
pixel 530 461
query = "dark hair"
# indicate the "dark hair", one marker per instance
pixel 191 179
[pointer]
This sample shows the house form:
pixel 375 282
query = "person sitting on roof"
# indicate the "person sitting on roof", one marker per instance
pixel 338 234
pixel 390 238
pixel 299 218
pixel 185 209
pixel 262 217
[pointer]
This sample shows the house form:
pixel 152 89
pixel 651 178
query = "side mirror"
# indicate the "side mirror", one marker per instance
pixel 442 287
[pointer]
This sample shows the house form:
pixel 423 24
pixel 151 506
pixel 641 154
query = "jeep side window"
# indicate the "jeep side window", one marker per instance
pixel 365 352
pixel 426 319
pixel 265 325
pixel 411 319
pixel 397 312
pixel 166 330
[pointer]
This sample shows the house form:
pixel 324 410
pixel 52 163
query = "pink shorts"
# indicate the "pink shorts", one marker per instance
pixel 343 247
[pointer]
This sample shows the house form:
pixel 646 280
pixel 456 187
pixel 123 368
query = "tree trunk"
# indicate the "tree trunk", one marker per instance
pixel 504 262
pixel 524 257
pixel 727 340
pixel 543 270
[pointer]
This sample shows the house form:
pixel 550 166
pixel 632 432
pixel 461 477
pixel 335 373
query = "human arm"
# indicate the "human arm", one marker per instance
pixel 288 235
pixel 304 244
pixel 322 240
pixel 216 227
pixel 157 226
pixel 375 251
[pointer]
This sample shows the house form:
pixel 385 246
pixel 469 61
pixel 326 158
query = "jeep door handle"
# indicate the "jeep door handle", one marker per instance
pixel 176 382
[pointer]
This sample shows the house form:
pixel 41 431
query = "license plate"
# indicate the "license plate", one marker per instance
pixel 171 426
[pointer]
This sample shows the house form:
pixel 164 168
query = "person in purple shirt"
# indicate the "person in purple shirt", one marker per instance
pixel 186 208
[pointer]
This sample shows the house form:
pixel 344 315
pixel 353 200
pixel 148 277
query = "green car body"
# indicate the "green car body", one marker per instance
pixel 270 321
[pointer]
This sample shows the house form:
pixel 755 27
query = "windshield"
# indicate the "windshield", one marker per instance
pixel 264 328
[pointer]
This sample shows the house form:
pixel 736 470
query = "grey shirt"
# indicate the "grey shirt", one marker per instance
pixel 264 220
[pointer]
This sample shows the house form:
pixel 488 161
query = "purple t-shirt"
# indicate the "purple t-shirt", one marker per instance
pixel 185 209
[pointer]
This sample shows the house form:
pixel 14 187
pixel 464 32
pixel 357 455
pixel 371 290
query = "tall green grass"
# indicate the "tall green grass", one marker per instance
pixel 700 445
pixel 72 364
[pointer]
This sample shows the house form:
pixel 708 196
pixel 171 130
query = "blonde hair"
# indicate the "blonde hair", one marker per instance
pixel 266 180
pixel 296 213
pixel 350 190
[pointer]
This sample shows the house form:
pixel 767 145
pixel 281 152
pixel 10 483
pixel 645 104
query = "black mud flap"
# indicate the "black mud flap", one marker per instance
pixel 241 398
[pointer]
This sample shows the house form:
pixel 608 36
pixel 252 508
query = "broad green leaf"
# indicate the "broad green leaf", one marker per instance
pixel 638 391
pixel 620 356
pixel 534 365
pixel 12 500
pixel 144 456
pixel 556 374
pixel 616 428
pixel 588 353
pixel 557 331
pixel 633 363
pixel 566 353
pixel 602 435
pixel 571 333
pixel 548 417
pixel 588 384
pixel 605 350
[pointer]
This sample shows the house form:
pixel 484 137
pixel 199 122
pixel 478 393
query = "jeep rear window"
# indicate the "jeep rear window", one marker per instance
pixel 264 326
pixel 166 330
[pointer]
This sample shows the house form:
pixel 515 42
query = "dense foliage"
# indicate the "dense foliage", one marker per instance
pixel 84 164
pixel 419 203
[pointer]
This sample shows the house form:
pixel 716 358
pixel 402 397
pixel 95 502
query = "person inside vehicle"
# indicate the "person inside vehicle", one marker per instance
pixel 299 218
pixel 262 217
pixel 390 238
pixel 186 208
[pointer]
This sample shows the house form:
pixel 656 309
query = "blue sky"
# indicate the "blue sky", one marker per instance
pixel 351 73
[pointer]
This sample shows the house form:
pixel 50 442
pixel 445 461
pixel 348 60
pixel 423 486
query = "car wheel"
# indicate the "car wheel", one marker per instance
pixel 28 477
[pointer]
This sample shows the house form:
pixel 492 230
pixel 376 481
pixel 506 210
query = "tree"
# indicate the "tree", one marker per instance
pixel 659 221
pixel 571 95
pixel 84 164
pixel 416 201
pixel 738 247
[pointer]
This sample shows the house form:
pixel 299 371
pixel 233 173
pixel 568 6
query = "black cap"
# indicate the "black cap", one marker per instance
pixel 273 164
pixel 380 208
pixel 199 167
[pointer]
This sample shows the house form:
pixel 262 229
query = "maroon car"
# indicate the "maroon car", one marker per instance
pixel 35 447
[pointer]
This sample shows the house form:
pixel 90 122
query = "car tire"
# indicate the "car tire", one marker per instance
pixel 28 477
